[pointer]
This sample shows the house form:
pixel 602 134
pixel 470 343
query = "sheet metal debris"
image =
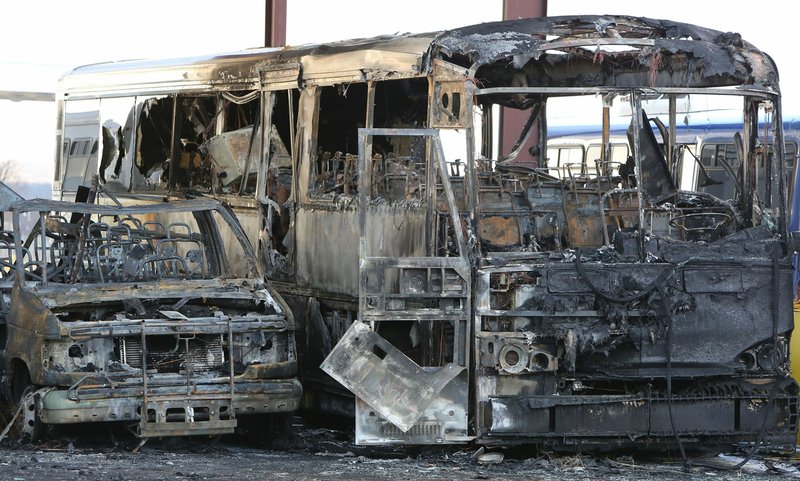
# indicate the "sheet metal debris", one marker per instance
pixel 385 378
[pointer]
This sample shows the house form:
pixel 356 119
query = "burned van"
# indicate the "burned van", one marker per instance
pixel 118 315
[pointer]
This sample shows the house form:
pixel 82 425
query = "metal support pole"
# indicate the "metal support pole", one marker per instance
pixel 275 23
pixel 637 125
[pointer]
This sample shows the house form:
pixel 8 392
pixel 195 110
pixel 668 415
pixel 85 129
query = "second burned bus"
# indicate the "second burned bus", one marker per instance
pixel 462 291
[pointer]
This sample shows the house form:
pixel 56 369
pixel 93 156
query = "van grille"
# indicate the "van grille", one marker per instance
pixel 169 354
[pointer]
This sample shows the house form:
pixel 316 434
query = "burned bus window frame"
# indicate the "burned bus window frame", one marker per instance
pixel 155 126
pixel 190 168
pixel 232 153
pixel 400 170
pixel 188 164
pixel 276 181
pixel 340 112
pixel 118 127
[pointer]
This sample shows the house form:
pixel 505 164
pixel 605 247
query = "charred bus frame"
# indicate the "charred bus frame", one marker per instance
pixel 465 293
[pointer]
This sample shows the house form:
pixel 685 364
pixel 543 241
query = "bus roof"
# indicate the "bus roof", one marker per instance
pixel 346 61
pixel 653 53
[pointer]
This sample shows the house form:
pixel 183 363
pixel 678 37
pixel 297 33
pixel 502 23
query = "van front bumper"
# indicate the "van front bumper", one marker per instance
pixel 108 404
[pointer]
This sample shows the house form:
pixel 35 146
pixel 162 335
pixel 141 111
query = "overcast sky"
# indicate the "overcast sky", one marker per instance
pixel 41 40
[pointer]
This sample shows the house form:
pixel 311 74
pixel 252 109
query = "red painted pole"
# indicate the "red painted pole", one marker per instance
pixel 512 120
pixel 275 23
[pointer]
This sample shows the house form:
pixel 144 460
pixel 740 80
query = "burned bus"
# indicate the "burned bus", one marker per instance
pixel 457 288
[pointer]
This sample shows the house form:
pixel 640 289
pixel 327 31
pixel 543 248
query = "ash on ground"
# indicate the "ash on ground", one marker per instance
pixel 306 452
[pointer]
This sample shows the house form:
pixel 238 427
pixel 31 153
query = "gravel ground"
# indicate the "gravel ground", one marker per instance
pixel 325 454
pixel 220 462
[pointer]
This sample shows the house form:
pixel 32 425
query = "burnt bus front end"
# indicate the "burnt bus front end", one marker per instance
pixel 613 306
pixel 585 349
pixel 135 315
pixel 580 299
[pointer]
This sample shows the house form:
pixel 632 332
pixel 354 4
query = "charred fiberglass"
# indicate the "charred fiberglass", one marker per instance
pixel 464 290
pixel 128 314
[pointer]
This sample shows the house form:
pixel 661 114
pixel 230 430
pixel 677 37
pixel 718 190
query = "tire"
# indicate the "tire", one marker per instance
pixel 28 426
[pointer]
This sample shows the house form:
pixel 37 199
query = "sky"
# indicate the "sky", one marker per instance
pixel 40 40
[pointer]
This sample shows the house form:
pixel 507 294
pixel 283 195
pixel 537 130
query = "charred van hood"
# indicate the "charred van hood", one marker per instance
pixel 59 295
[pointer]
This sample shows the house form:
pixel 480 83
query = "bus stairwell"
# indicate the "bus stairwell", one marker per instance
pixel 428 296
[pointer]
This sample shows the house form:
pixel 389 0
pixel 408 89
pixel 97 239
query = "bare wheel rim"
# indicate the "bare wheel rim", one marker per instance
pixel 28 423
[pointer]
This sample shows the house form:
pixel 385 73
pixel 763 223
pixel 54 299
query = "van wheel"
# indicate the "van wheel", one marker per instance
pixel 28 425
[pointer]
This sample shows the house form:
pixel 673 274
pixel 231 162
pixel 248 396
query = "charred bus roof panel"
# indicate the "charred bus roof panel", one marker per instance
pixel 620 51
pixel 397 56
